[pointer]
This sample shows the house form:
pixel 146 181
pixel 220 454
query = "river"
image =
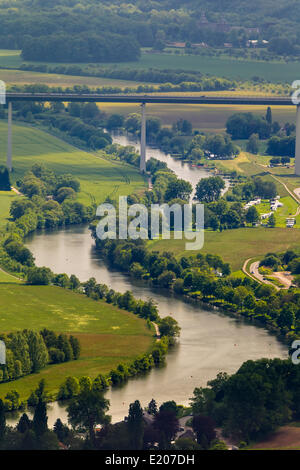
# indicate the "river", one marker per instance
pixel 182 169
pixel 210 341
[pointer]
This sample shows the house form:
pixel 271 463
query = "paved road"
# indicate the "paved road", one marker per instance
pixel 254 272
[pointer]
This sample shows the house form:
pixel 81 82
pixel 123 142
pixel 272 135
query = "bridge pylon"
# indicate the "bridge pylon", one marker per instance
pixel 297 153
pixel 143 140
pixel 9 138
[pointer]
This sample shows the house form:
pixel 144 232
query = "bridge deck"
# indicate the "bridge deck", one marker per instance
pixel 101 98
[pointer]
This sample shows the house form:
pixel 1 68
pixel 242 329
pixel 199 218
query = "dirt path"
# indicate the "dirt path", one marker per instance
pixel 9 274
pixel 157 332
pixel 15 190
pixel 295 195
pixel 254 270
pixel 284 277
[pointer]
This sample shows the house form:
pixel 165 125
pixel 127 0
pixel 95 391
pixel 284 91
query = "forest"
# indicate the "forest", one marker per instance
pixel 151 24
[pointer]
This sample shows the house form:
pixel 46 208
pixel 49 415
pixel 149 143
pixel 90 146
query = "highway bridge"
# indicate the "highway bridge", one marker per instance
pixel 150 99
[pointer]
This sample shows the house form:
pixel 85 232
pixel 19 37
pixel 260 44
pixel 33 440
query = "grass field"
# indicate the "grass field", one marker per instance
pixel 23 77
pixel 219 66
pixel 6 198
pixel 98 176
pixel 9 58
pixel 222 67
pixel 235 246
pixel 285 438
pixel 107 334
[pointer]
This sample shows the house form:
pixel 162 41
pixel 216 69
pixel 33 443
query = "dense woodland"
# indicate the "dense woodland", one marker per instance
pixel 93 29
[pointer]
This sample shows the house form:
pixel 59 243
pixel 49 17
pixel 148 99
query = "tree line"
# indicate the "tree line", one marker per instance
pixel 247 405
pixel 28 352
pixel 87 47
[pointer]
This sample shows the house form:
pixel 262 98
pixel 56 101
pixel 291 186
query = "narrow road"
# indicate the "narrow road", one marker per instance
pixel 254 270
pixel 15 190
pixel 244 269
pixel 157 332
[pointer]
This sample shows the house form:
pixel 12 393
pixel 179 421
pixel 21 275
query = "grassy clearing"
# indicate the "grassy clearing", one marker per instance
pixel 99 177
pixel 285 438
pixel 6 198
pixel 9 58
pixel 107 334
pixel 235 246
pixel 6 277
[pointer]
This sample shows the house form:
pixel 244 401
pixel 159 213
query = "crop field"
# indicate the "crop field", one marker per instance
pixel 107 334
pixel 24 77
pixel 221 67
pixel 98 176
pixel 235 246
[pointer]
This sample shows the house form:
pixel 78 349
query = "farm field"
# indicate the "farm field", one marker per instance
pixel 219 66
pixel 222 67
pixel 98 176
pixel 207 118
pixel 24 77
pixel 237 245
pixel 107 334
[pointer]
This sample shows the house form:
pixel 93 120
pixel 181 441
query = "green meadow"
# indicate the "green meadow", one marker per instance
pixel 219 66
pixel 237 245
pixel 98 176
pixel 107 334
pixel 6 198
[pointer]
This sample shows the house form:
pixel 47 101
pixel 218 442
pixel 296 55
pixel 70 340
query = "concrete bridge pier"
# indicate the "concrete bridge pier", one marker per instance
pixel 143 140
pixel 9 138
pixel 297 154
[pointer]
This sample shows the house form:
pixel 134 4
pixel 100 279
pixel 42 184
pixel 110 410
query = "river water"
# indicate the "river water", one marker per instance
pixel 210 342
pixel 183 170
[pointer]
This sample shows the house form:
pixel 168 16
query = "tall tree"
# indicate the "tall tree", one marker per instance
pixel 167 424
pixel 204 427
pixel 40 418
pixel 4 179
pixel 152 407
pixel 88 409
pixel 2 421
pixel 209 189
pixel 269 115
pixel 136 425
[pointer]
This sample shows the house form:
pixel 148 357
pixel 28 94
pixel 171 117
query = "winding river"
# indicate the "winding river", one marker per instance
pixel 210 342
